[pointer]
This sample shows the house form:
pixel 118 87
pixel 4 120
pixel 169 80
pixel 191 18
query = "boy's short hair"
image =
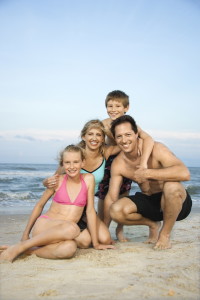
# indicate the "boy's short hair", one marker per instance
pixel 118 96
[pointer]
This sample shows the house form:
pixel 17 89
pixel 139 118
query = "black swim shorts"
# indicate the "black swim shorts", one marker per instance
pixel 82 224
pixel 149 206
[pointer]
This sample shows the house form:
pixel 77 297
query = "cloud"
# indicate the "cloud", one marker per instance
pixel 158 135
pixel 32 135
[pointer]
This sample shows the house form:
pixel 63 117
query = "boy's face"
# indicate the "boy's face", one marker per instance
pixel 115 109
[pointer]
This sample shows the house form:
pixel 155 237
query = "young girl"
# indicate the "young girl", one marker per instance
pixel 56 233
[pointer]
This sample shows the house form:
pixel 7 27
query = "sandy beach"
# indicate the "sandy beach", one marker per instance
pixel 132 271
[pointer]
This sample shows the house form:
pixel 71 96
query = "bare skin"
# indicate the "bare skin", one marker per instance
pixel 57 235
pixel 164 174
pixel 116 109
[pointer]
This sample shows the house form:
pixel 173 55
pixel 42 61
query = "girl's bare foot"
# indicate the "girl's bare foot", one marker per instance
pixel 3 247
pixel 10 253
pixel 153 233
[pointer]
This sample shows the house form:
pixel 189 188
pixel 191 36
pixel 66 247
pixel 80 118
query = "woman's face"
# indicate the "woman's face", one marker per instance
pixel 94 138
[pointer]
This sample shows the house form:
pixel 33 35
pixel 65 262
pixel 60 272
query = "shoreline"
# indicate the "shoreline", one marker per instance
pixel 132 271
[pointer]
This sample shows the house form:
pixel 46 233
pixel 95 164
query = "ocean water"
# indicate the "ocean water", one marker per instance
pixel 21 186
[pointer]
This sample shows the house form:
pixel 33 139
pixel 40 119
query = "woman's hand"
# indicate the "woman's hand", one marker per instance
pixel 51 182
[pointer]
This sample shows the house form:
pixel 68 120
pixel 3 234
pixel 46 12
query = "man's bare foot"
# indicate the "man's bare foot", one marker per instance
pixel 10 253
pixel 120 235
pixel 153 233
pixel 163 243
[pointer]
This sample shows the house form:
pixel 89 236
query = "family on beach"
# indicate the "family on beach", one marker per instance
pixel 111 155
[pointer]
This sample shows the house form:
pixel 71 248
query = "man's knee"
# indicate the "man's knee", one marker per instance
pixel 173 194
pixel 174 190
pixel 116 212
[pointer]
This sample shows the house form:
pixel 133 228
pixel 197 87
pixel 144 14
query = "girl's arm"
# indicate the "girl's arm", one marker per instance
pixel 147 147
pixel 91 214
pixel 36 212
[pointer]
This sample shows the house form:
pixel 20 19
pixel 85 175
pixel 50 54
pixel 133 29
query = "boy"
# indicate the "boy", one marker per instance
pixel 117 104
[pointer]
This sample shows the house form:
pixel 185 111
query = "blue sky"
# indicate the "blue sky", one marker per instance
pixel 59 59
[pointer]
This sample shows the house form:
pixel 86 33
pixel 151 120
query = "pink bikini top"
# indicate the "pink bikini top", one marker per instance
pixel 62 197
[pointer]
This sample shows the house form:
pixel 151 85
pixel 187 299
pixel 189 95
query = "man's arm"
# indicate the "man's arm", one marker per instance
pixel 171 168
pixel 113 192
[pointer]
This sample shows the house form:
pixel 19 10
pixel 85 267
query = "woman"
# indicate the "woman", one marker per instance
pixel 96 153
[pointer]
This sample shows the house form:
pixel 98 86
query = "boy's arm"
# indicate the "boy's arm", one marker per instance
pixel 147 147
pixel 36 212
pixel 109 137
pixel 111 150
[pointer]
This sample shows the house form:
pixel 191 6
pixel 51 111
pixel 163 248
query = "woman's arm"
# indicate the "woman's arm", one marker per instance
pixel 111 150
pixel 36 212
pixel 147 147
pixel 52 182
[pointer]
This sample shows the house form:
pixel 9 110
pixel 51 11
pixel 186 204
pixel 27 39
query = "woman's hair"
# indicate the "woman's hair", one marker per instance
pixel 71 148
pixel 97 124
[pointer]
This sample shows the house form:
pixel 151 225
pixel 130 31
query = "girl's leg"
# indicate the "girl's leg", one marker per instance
pixel 84 239
pixel 56 234
pixel 59 250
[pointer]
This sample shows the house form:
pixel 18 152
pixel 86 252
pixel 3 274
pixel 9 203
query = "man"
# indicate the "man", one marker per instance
pixel 162 195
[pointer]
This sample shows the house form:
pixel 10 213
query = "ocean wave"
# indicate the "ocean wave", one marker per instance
pixel 22 196
pixel 193 189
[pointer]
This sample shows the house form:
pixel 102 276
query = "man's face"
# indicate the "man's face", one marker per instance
pixel 125 137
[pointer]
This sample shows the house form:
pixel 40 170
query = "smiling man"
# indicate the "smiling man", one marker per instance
pixel 162 196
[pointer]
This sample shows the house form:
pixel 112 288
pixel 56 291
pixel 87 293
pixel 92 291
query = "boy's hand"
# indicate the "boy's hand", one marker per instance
pixel 139 174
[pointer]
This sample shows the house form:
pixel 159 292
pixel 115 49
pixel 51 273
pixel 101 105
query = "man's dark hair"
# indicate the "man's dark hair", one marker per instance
pixel 121 120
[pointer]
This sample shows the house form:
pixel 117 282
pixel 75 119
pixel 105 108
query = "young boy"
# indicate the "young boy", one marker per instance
pixel 117 104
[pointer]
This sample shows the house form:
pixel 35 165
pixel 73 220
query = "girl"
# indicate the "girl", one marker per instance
pixel 56 233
